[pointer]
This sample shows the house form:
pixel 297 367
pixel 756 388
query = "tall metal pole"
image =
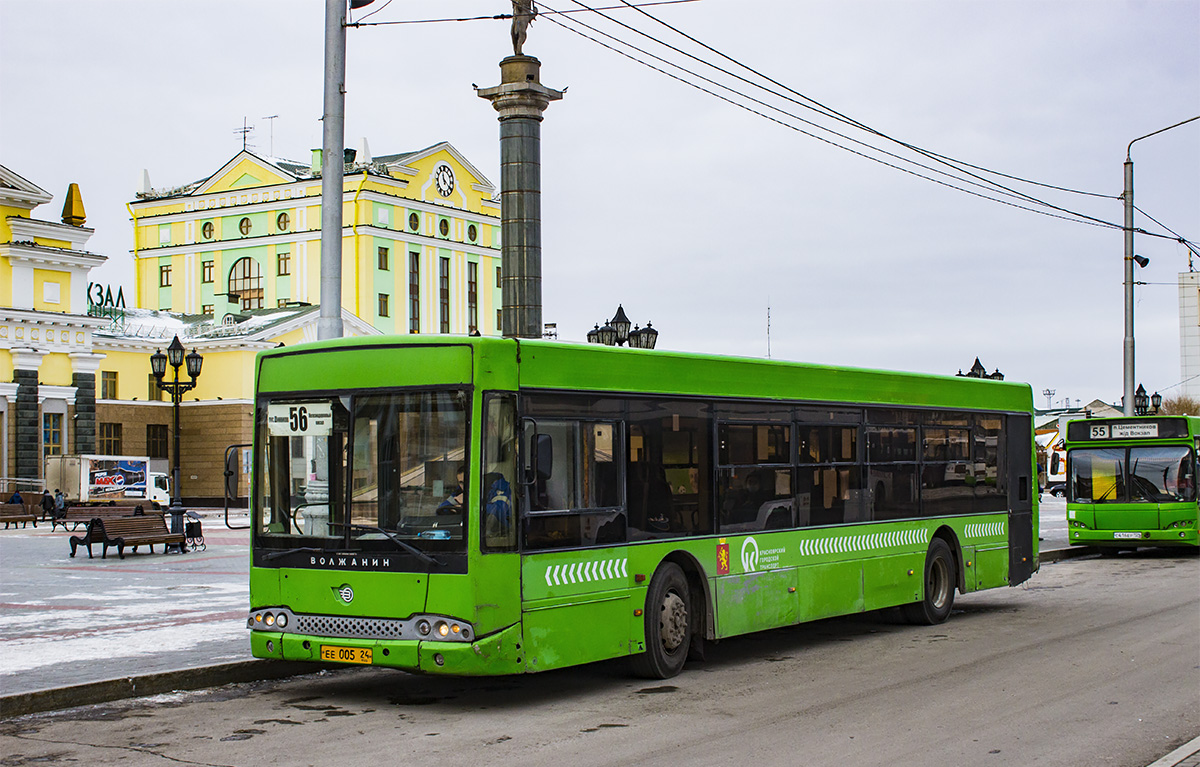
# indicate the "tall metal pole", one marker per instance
pixel 1127 196
pixel 329 322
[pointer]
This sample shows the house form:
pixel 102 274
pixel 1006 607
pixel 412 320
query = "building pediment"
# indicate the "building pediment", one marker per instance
pixel 245 170
pixel 422 169
pixel 19 192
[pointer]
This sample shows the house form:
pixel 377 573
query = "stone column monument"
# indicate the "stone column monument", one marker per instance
pixel 520 99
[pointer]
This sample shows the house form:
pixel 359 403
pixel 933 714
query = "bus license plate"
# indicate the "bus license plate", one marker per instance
pixel 1127 535
pixel 345 654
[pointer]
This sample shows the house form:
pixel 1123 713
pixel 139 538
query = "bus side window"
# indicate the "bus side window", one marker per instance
pixel 498 499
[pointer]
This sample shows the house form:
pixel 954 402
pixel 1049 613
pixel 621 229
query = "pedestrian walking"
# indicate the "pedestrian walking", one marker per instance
pixel 60 504
pixel 47 505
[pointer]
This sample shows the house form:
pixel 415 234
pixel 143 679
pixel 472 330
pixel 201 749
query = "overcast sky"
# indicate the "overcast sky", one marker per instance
pixel 695 214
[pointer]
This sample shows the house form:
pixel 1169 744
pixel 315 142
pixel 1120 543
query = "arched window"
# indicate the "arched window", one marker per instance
pixel 245 280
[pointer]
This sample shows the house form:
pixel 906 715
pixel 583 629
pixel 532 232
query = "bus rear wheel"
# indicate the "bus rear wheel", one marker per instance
pixel 940 580
pixel 668 625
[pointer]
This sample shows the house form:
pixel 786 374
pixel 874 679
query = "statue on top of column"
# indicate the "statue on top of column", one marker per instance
pixel 523 15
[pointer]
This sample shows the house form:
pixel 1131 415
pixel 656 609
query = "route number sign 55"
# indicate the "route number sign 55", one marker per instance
pixel 300 419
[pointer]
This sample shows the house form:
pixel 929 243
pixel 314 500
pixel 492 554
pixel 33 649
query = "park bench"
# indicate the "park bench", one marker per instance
pixel 143 530
pixel 12 513
pixel 81 515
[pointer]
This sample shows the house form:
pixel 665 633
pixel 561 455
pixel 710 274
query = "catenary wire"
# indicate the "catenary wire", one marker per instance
pixel 372 13
pixel 990 185
pixel 987 185
pixel 1077 219
pixel 1178 237
pixel 501 16
pixel 829 111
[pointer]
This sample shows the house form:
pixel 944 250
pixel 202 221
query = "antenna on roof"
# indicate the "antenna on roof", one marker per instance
pixel 272 145
pixel 768 327
pixel 245 130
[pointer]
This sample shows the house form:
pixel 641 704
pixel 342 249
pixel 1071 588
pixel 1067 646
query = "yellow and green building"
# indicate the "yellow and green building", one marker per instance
pixel 230 264
pixel 420 244
pixel 48 361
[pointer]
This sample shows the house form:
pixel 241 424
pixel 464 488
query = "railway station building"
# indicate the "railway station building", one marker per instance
pixel 230 264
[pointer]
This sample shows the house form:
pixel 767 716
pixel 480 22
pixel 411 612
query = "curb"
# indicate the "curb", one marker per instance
pixel 1179 756
pixel 152 684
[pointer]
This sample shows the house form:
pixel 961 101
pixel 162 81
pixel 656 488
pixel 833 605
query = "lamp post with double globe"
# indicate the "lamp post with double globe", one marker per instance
pixel 158 365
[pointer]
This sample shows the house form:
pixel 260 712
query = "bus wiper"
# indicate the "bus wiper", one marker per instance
pixel 426 558
pixel 285 552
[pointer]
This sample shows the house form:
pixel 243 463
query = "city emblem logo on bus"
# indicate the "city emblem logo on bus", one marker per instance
pixel 749 555
pixel 723 557
pixel 344 592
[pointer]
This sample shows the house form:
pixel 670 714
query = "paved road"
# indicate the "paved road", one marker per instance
pixel 1094 662
pixel 67 621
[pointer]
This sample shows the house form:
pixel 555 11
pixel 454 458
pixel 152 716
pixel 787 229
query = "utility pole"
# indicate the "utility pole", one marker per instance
pixel 1127 198
pixel 329 321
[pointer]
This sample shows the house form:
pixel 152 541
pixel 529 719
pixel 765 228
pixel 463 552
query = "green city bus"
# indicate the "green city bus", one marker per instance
pixel 493 506
pixel 1132 482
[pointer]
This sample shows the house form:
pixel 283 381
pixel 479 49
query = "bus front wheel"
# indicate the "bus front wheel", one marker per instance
pixel 940 580
pixel 668 625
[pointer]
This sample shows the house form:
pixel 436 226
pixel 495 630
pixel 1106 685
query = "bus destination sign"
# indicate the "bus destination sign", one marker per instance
pixel 1124 431
pixel 300 419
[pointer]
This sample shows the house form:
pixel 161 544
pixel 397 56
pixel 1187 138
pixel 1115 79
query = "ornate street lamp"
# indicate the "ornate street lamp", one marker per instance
pixel 616 332
pixel 1142 402
pixel 158 365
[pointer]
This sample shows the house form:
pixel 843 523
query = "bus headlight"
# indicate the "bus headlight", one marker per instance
pixel 423 628
pixel 443 629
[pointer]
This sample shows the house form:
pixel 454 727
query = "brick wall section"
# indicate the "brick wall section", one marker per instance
pixel 206 429
pixel 28 439
pixel 83 425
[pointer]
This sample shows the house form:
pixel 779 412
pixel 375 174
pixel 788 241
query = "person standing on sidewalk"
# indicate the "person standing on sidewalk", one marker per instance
pixel 47 505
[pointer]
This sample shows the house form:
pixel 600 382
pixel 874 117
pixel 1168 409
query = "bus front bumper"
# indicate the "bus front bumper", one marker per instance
pixel 1178 536
pixel 498 653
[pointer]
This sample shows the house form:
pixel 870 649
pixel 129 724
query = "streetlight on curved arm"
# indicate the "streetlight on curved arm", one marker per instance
pixel 1130 258
pixel 192 362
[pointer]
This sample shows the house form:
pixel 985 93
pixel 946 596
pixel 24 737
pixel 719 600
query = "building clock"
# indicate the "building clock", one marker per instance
pixel 443 178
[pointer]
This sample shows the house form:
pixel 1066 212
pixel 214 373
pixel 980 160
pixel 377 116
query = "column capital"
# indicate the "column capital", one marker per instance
pixel 520 92
pixel 86 362
pixel 27 359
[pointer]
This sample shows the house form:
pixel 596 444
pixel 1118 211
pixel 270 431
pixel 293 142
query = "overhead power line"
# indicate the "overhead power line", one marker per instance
pixel 957 166
pixel 1067 215
pixel 502 16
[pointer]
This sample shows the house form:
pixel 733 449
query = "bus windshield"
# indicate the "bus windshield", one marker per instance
pixel 408 466
pixel 388 474
pixel 1160 474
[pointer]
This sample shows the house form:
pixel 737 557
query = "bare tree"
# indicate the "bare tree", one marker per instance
pixel 1180 405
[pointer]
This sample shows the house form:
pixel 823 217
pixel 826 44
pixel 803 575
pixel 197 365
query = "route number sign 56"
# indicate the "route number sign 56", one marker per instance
pixel 300 419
